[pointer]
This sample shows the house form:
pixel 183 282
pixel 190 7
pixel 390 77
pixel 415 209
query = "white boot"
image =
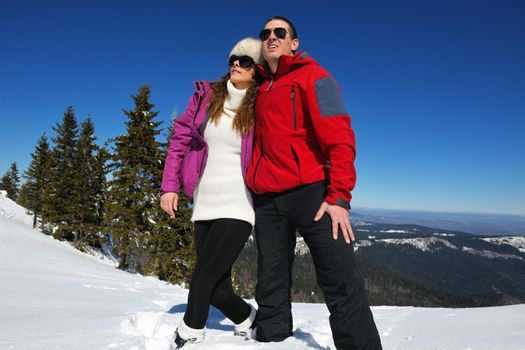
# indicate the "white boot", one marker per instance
pixel 185 334
pixel 245 329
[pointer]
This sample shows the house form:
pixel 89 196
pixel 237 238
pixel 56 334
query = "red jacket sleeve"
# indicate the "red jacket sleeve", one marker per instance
pixel 332 126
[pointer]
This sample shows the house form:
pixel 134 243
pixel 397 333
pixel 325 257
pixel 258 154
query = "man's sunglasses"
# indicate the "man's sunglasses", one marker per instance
pixel 280 32
pixel 244 61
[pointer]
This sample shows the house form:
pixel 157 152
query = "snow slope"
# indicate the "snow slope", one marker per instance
pixel 10 209
pixel 54 297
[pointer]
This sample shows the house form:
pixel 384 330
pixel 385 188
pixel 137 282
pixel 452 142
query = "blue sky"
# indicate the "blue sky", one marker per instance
pixel 436 89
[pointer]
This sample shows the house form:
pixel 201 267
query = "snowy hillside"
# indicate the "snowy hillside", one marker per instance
pixel 54 297
pixel 518 242
pixel 10 209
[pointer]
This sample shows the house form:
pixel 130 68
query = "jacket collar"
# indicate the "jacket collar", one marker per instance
pixel 287 64
pixel 202 87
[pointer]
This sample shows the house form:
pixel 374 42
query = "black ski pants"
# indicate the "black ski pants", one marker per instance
pixel 218 244
pixel 278 216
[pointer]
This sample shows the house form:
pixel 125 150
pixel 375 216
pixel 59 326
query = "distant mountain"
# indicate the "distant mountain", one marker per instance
pixel 481 224
pixel 456 268
pixel 417 265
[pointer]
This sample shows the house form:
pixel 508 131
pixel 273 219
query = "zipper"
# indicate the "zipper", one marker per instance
pixel 296 158
pixel 262 148
pixel 269 86
pixel 267 91
pixel 203 164
pixel 257 167
pixel 204 161
pixel 294 109
pixel 197 110
pixel 203 126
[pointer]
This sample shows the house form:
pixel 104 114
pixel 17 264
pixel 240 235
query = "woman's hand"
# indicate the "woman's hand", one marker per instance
pixel 168 203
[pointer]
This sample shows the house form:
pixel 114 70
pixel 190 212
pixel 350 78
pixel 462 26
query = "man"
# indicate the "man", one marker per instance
pixel 302 173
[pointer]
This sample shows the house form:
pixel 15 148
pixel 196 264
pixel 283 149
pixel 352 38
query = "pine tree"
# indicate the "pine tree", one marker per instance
pixel 10 182
pixel 132 198
pixel 100 170
pixel 37 179
pixel 88 191
pixel 23 200
pixel 15 177
pixel 6 184
pixel 59 195
pixel 174 252
pixel 144 237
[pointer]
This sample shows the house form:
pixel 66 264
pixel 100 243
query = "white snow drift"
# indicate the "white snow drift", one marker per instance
pixel 53 297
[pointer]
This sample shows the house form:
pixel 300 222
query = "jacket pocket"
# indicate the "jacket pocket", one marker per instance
pixel 296 154
pixel 309 166
pixel 190 167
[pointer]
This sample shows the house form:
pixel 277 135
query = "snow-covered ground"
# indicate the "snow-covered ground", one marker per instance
pixel 54 297
pixel 10 209
pixel 515 241
pixel 422 243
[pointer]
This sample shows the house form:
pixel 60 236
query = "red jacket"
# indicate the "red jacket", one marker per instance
pixel 302 130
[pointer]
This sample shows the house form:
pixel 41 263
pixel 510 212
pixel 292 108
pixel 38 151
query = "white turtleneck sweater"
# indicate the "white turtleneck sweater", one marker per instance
pixel 221 191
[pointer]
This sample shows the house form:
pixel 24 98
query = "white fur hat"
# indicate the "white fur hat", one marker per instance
pixel 249 47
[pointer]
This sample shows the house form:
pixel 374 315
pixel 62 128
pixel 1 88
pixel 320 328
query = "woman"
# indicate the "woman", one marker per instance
pixel 209 151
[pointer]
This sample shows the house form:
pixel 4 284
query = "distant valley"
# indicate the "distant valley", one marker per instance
pixel 407 264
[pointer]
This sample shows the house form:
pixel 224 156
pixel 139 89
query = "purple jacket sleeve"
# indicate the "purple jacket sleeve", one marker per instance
pixel 178 146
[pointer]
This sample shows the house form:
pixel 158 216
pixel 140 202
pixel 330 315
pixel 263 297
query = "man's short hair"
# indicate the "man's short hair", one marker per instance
pixel 293 33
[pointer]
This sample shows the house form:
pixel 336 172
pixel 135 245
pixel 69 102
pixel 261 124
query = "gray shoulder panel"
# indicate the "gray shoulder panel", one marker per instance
pixel 329 98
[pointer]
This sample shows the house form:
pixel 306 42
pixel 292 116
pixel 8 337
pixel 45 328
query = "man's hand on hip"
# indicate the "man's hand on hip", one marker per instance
pixel 340 218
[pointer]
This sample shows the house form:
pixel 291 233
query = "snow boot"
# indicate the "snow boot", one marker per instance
pixel 246 328
pixel 185 334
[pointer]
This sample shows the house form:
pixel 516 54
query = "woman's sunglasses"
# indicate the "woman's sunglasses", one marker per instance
pixel 244 61
pixel 279 32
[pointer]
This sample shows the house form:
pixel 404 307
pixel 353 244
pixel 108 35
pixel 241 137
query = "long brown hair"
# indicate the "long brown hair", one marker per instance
pixel 245 117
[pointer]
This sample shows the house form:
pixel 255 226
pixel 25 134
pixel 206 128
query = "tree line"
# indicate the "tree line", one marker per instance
pixel 107 195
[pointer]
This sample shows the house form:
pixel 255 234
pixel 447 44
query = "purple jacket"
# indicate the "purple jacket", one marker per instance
pixel 188 151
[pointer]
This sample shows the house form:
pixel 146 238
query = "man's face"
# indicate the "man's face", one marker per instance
pixel 274 47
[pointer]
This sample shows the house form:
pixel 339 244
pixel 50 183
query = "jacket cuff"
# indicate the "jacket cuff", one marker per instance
pixel 169 188
pixel 334 200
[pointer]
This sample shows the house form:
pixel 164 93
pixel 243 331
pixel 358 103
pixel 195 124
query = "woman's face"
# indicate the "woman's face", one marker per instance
pixel 241 77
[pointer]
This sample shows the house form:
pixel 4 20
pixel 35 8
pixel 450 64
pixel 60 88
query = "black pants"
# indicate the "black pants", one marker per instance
pixel 277 218
pixel 218 244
